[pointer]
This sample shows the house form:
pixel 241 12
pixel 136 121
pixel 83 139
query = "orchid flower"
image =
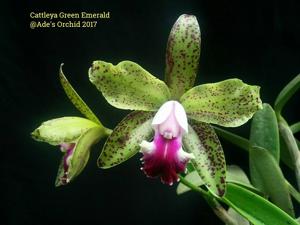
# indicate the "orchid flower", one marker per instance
pixel 73 135
pixel 170 123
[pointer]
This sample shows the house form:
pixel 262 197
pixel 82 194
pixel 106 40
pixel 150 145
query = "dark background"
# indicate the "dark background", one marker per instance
pixel 256 41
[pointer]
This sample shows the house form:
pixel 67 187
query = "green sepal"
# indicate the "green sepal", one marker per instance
pixel 255 208
pixel 209 159
pixel 182 55
pixel 81 154
pixel 228 103
pixel 75 98
pixel 62 130
pixel 124 142
pixel 128 86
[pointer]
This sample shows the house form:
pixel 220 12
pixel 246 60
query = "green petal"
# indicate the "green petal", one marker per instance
pixel 182 56
pixel 209 160
pixel 128 86
pixel 228 103
pixel 254 208
pixel 124 142
pixel 64 129
pixel 81 154
pixel 267 176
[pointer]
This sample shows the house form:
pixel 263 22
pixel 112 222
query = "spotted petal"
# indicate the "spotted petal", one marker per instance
pixel 128 86
pixel 209 159
pixel 229 103
pixel 124 142
pixel 182 56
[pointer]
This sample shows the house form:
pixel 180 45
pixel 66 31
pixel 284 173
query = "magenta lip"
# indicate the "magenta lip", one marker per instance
pixel 163 161
pixel 69 152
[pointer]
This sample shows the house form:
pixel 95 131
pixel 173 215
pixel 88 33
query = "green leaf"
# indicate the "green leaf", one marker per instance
pixel 209 160
pixel 284 154
pixel 182 55
pixel 287 92
pixel 267 176
pixel 264 131
pixel 255 208
pixel 228 103
pixel 234 175
pixel 293 192
pixel 124 142
pixel 237 217
pixel 81 154
pixel 237 175
pixel 64 129
pixel 243 143
pixel 76 99
pixel 128 86
pixel 291 144
pixel 295 128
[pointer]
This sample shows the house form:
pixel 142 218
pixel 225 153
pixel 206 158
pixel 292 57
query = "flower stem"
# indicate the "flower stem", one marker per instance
pixel 212 202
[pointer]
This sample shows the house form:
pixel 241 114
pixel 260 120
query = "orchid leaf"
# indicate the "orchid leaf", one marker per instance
pixel 295 128
pixel 264 131
pixel 229 103
pixel 182 56
pixel 291 145
pixel 285 154
pixel 234 175
pixel 243 143
pixel 128 86
pixel 209 160
pixel 267 176
pixel 237 217
pixel 81 154
pixel 255 208
pixel 64 129
pixel 76 99
pixel 287 92
pixel 124 142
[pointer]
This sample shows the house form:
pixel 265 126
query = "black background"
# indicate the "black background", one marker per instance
pixel 256 41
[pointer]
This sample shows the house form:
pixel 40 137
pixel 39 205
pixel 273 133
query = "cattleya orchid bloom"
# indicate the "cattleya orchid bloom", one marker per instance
pixel 73 135
pixel 178 113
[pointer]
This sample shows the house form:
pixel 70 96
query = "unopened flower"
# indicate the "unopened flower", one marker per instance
pixel 74 136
